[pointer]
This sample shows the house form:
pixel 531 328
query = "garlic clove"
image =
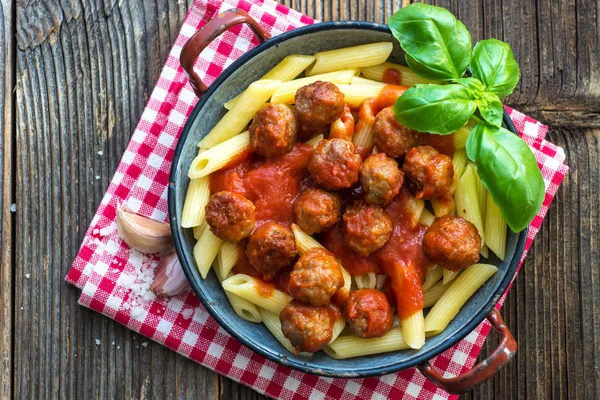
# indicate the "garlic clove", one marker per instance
pixel 169 278
pixel 143 234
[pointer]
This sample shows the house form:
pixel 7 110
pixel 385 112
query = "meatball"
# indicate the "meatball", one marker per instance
pixel 274 130
pixel 307 327
pixel 230 216
pixel 315 277
pixel 452 242
pixel 368 313
pixel 334 164
pixel 316 210
pixel 381 179
pixel 318 105
pixel 367 228
pixel 271 248
pixel 428 172
pixel 391 137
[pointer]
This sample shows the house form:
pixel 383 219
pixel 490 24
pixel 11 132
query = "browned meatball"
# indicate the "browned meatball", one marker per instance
pixel 316 210
pixel 230 216
pixel 452 242
pixel 429 173
pixel 316 277
pixel 368 313
pixel 274 130
pixel 271 248
pixel 318 105
pixel 307 327
pixel 380 178
pixel 366 228
pixel 390 136
pixel 334 164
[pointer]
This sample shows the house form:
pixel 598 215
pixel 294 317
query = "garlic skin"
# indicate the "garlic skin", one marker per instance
pixel 169 278
pixel 143 234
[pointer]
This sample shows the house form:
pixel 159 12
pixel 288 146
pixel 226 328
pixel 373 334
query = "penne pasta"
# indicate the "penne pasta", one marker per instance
pixel 273 324
pixel 448 276
pixel 380 281
pixel 426 218
pixel 495 228
pixel 365 55
pixel 357 80
pixel 366 281
pixel 416 207
pixel 314 141
pixel 304 241
pixel 219 156
pixel 196 199
pixel 460 136
pixel 459 162
pixel 407 77
pixel 467 205
pixel 338 327
pixel 363 135
pixel 206 250
pixel 432 276
pixel 236 119
pixel 243 308
pixel 258 292
pixel 467 283
pixel 351 346
pixel 198 230
pixel 356 94
pixel 227 257
pixel 413 330
pixel 289 68
pixel 286 92
pixel 433 294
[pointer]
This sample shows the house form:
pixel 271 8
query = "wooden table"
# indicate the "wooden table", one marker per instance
pixel 74 79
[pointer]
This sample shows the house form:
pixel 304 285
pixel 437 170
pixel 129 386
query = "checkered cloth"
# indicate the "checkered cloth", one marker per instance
pixel 108 272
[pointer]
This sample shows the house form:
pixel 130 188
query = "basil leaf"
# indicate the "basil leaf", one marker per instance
pixel 490 108
pixel 440 109
pixel 437 45
pixel 494 64
pixel 473 142
pixel 473 84
pixel 510 173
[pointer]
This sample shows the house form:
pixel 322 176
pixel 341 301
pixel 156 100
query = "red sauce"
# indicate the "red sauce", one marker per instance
pixel 402 258
pixel 442 143
pixel 243 266
pixel 391 76
pixel 388 96
pixel 271 184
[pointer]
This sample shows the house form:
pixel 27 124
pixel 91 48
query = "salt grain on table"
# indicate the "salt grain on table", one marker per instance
pixel 27 276
pixel 97 342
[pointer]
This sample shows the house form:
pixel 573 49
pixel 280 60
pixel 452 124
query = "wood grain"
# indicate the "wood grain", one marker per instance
pixel 84 71
pixel 6 194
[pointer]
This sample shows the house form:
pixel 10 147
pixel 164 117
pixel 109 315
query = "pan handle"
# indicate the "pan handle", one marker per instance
pixel 209 32
pixel 503 354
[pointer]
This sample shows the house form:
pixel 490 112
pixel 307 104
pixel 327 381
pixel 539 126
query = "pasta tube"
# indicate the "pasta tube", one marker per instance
pixel 258 292
pixel 433 294
pixel 352 346
pixel 467 205
pixel 243 308
pixel 432 276
pixel 461 135
pixel 206 250
pixel 227 257
pixel 196 199
pixel 357 80
pixel 314 141
pixel 413 330
pixel 365 55
pixel 366 281
pixel 495 228
pixel 407 77
pixel 461 290
pixel 427 218
pixel 448 276
pixel 289 68
pixel 219 156
pixel 304 242
pixel 356 94
pixel 236 119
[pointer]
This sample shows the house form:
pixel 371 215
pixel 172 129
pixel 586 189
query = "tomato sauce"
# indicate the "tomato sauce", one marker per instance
pixel 243 266
pixel 271 184
pixel 391 76
pixel 442 143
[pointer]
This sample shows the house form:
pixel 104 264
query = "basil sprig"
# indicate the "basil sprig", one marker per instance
pixel 438 47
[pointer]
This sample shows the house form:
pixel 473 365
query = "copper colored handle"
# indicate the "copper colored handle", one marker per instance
pixel 483 371
pixel 209 32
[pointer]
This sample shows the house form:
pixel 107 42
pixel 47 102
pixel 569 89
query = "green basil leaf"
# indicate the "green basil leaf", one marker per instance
pixel 440 109
pixel 510 173
pixel 437 45
pixel 490 108
pixel 473 142
pixel 494 64
pixel 473 84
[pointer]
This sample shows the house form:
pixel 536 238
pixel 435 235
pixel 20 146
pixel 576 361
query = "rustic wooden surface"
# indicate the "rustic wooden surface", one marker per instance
pixel 83 72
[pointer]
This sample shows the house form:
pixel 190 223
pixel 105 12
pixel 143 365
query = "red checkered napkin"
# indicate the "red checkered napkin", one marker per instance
pixel 114 279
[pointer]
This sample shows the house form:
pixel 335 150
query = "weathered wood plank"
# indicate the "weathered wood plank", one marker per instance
pixel 7 71
pixel 84 74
